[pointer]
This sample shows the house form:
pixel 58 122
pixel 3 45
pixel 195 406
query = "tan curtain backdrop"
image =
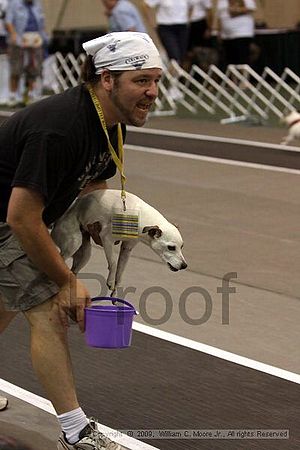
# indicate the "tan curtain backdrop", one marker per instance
pixel 72 14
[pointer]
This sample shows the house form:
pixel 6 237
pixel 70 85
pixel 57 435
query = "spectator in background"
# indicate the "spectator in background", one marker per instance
pixel 172 19
pixel 3 53
pixel 123 16
pixel 25 25
pixel 236 28
pixel 201 23
pixel 172 24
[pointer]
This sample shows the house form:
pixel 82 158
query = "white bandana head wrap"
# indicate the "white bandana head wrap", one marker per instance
pixel 125 50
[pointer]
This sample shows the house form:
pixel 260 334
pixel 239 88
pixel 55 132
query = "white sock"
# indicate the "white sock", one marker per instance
pixel 72 423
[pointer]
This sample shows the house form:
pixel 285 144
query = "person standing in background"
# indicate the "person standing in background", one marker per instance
pixel 172 22
pixel 172 25
pixel 3 54
pixel 236 29
pixel 201 23
pixel 123 16
pixel 25 26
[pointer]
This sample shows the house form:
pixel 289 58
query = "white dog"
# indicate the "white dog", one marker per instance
pixel 95 210
pixel 292 120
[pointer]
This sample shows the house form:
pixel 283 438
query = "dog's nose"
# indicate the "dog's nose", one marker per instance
pixel 183 266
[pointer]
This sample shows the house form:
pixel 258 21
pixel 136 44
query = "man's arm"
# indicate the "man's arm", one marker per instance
pixel 239 9
pixel 24 216
pixel 33 234
pixel 12 32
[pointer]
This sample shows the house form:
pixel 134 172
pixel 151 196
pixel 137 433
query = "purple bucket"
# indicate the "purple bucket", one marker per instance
pixel 109 326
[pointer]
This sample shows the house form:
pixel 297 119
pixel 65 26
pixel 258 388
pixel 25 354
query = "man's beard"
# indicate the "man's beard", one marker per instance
pixel 127 115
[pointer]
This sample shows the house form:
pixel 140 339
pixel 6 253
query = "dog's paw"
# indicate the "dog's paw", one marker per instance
pixel 113 293
pixel 110 284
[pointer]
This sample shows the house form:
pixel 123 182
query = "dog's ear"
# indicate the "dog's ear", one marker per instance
pixel 154 231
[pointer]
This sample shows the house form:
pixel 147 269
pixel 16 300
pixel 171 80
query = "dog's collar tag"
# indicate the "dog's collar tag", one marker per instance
pixel 118 160
pixel 125 224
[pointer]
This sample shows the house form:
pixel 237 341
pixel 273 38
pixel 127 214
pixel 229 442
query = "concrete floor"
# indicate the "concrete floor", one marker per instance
pixel 233 219
pixel 272 133
pixel 32 426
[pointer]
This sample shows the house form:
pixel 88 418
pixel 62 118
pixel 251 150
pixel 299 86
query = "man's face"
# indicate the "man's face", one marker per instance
pixel 133 93
pixel 109 4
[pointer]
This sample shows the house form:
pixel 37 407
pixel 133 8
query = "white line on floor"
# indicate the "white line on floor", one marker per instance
pixel 229 162
pixel 45 405
pixel 199 137
pixel 222 354
pixel 27 396
pixel 204 137
pixel 6 113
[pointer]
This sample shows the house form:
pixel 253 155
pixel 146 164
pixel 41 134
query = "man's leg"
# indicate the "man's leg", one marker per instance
pixel 50 356
pixel 52 364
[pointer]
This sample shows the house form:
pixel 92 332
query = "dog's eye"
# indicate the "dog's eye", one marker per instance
pixel 172 248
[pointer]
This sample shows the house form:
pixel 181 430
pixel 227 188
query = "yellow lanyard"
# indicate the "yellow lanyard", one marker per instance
pixel 118 160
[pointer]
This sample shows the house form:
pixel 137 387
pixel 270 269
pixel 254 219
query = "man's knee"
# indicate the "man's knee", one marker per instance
pixel 46 317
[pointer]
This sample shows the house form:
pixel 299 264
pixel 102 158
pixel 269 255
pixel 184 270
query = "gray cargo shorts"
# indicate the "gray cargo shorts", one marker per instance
pixel 22 285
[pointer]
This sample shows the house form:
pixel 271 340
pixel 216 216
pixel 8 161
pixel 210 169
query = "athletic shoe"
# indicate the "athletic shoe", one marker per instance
pixel 3 403
pixel 89 439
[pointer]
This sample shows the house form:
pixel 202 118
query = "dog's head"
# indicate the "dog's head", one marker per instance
pixel 167 242
pixel 290 118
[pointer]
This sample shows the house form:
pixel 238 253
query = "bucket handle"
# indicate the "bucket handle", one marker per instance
pixel 117 300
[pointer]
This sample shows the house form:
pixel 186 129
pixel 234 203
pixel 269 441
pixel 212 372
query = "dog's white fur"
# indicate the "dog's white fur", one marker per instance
pixel 70 233
pixel 294 130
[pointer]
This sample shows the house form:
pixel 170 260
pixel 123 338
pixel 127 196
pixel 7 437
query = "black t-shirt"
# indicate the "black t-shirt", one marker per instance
pixel 55 146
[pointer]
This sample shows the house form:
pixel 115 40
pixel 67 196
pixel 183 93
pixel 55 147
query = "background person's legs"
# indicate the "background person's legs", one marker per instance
pixel 15 55
pixel 168 35
pixel 32 71
pixel 182 36
pixel 4 72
